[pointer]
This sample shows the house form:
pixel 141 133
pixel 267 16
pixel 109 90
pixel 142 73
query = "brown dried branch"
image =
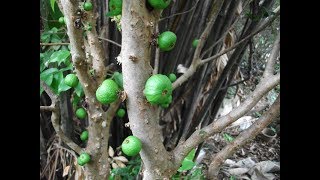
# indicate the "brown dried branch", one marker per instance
pixel 272 58
pixel 266 84
pixel 46 108
pixel 55 118
pixel 53 44
pixel 110 41
pixel 243 138
pixel 176 14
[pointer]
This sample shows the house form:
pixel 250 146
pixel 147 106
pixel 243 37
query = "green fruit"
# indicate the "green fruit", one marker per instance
pixel 71 80
pixel 87 6
pixel 84 135
pixel 164 105
pixel 131 146
pixel 83 159
pixel 121 112
pixel 172 77
pixel 115 7
pixel 118 78
pixel 167 41
pixel 169 100
pixel 195 43
pixel 107 92
pixel 159 4
pixel 158 89
pixel 81 113
pixel 61 20
pixel 89 27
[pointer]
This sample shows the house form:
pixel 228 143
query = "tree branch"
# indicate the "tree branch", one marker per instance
pixel 266 84
pixel 55 118
pixel 272 58
pixel 110 41
pixel 192 69
pixel 157 56
pixel 46 108
pixel 196 58
pixel 193 7
pixel 243 138
pixel 53 44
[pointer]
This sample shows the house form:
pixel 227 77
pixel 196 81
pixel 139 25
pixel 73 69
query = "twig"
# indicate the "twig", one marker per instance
pixel 110 41
pixel 241 41
pixel 53 44
pixel 234 84
pixel 55 118
pixel 176 14
pixel 273 56
pixel 217 126
pixel 243 138
pixel 157 56
pixel 46 108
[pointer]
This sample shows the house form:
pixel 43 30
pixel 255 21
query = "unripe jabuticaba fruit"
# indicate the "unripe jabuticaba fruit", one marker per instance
pixel 115 8
pixel 167 40
pixel 172 77
pixel 195 43
pixel 158 89
pixel 107 92
pixel 159 4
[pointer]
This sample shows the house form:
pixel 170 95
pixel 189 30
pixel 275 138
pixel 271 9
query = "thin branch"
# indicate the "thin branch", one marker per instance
pixel 235 83
pixel 55 118
pixel 193 7
pixel 46 108
pixel 243 138
pixel 265 85
pixel 241 41
pixel 269 70
pixel 53 44
pixel 157 56
pixel 110 41
pixel 204 36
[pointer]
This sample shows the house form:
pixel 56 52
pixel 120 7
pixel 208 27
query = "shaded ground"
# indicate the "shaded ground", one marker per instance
pixel 256 149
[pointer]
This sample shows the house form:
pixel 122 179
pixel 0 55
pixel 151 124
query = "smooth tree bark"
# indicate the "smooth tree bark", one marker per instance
pixel 138 24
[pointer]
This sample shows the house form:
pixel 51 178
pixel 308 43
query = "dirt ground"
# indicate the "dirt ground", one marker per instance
pixel 257 149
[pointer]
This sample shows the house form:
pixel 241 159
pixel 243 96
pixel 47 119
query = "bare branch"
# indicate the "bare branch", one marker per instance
pixel 46 108
pixel 193 7
pixel 110 41
pixel 157 56
pixel 243 138
pixel 200 135
pixel 241 41
pixel 55 118
pixel 53 44
pixel 272 58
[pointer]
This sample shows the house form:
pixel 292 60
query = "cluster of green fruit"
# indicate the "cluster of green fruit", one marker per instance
pixel 158 89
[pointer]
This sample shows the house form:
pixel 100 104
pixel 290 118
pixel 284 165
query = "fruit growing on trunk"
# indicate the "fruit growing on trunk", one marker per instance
pixel 158 89
pixel 195 43
pixel 121 112
pixel 172 77
pixel 61 20
pixel 81 113
pixel 87 6
pixel 107 92
pixel 83 159
pixel 71 80
pixel 131 146
pixel 115 7
pixel 84 135
pixel 159 4
pixel 167 41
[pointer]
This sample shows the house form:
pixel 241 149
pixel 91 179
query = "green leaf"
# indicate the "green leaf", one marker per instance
pixel 57 78
pixel 45 37
pixel 47 75
pixel 75 101
pixel 63 87
pixel 186 165
pixel 191 155
pixel 227 137
pixel 79 90
pixel 52 4
pixel 41 90
pixel 232 178
pixel 60 56
pixel 55 39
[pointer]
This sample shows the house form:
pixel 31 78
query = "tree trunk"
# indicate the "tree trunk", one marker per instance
pixel 137 28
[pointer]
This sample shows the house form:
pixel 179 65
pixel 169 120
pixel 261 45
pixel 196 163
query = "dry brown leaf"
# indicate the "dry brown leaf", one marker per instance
pixel 120 164
pixel 111 151
pixel 121 158
pixel 114 165
pixel 66 171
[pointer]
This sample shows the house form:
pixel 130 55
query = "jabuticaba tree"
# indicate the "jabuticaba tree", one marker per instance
pixel 155 39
